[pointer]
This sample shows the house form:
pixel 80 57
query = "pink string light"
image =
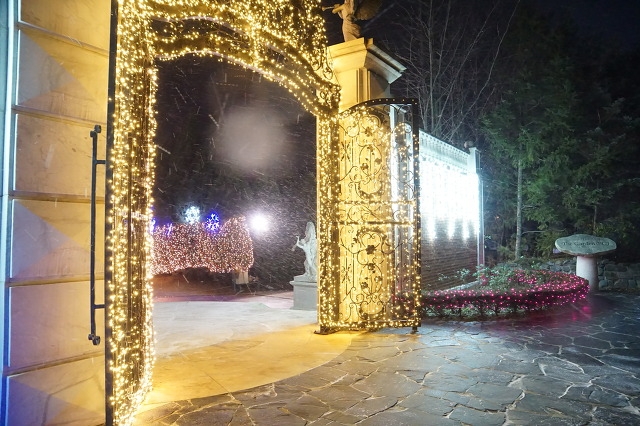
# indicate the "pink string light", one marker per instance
pixel 533 290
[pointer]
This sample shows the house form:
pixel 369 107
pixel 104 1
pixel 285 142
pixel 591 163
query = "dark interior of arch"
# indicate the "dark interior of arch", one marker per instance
pixel 232 142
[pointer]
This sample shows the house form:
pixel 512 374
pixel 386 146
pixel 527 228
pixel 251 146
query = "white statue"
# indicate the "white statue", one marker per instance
pixel 309 244
pixel 352 11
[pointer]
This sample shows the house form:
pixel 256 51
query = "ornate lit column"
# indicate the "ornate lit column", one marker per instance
pixel 373 243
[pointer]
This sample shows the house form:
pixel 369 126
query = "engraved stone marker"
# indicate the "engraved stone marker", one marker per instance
pixel 585 245
pixel 586 248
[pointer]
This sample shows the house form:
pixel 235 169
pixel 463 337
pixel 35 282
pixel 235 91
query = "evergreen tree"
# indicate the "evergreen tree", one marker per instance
pixel 568 125
pixel 531 130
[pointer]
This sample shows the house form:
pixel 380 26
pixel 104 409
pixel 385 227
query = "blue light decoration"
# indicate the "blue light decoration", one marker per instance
pixel 212 224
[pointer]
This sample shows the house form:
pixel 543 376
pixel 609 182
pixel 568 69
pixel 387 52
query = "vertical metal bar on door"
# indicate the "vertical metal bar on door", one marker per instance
pixel 95 339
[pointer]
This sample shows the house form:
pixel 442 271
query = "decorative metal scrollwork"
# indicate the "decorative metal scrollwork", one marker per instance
pixel 378 216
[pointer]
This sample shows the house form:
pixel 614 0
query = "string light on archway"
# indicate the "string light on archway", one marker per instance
pixel 281 39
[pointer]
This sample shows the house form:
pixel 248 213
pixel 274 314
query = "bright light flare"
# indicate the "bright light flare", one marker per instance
pixel 449 196
pixel 259 223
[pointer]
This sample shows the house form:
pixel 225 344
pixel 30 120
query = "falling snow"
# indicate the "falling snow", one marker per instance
pixel 232 142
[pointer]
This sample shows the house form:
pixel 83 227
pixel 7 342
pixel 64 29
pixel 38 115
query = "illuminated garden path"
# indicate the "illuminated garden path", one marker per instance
pixel 574 365
pixel 208 348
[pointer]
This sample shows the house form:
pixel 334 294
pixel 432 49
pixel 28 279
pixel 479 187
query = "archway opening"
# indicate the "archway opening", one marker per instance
pixel 279 40
pixel 231 144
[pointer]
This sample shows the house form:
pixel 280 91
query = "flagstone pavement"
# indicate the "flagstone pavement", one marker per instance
pixel 572 365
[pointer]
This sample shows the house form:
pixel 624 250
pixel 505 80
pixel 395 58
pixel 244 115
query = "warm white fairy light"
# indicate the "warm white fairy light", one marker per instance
pixel 373 252
pixel 282 39
pixel 195 245
pixel 132 161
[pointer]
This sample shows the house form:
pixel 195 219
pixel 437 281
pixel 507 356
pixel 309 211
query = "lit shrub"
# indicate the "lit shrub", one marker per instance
pixel 195 245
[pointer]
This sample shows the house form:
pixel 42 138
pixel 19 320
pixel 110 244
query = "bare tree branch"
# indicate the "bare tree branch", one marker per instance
pixel 450 55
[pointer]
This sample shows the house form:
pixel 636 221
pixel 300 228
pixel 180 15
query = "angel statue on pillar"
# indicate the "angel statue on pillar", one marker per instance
pixel 352 11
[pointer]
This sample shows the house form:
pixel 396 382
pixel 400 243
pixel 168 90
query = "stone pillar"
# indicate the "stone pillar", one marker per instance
pixel 374 156
pixel 587 268
pixel 363 71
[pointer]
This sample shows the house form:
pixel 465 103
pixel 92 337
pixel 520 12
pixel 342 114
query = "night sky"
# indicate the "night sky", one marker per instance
pixel 616 22
pixel 225 133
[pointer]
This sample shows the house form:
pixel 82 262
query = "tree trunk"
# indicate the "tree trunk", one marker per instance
pixel 595 214
pixel 519 213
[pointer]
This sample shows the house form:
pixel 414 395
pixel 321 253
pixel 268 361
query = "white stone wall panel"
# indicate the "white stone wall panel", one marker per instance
pixel 56 90
pixel 55 157
pixel 86 21
pixel 60 78
pixel 51 240
pixel 50 323
pixel 71 394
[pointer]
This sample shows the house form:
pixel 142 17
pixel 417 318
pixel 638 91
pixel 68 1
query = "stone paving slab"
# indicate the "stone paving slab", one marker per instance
pixel 574 365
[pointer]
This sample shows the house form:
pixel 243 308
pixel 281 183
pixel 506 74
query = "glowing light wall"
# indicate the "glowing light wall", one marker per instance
pixel 450 193
pixel 449 210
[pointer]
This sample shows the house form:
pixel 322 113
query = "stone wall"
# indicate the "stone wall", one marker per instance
pixel 612 276
pixel 624 276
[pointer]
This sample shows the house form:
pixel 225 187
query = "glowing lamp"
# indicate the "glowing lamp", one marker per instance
pixel 259 223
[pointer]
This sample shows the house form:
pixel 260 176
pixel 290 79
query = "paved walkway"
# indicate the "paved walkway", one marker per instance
pixel 575 365
pixel 208 347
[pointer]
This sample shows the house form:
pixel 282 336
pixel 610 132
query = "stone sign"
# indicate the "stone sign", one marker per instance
pixel 585 245
pixel 586 248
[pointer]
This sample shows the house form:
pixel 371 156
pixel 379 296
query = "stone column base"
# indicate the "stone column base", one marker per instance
pixel 587 268
pixel 305 295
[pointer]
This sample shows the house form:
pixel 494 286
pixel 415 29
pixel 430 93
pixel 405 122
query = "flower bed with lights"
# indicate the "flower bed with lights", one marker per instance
pixel 517 291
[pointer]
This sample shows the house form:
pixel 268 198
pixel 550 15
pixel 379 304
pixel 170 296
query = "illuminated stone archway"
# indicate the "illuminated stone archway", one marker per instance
pixel 284 41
